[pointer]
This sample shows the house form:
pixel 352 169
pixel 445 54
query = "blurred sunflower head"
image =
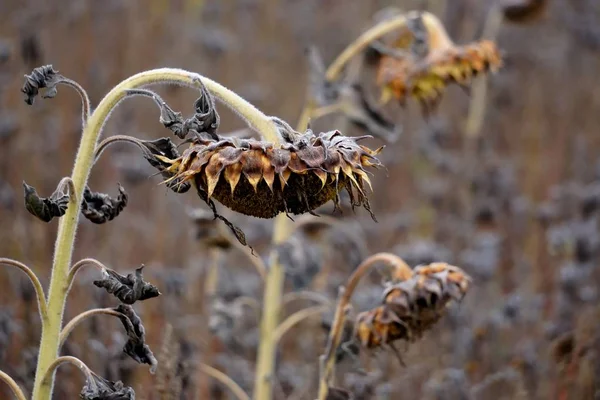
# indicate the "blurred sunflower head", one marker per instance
pixel 430 63
pixel 262 179
pixel 412 305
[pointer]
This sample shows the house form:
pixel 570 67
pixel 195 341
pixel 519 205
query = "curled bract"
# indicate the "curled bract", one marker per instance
pixel 40 78
pixel 261 179
pixel 136 346
pixel 100 208
pixel 45 208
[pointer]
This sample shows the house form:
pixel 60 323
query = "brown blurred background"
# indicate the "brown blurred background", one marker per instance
pixel 518 212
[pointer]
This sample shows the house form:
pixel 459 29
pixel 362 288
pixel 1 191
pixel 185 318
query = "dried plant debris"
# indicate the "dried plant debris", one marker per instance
pixel 99 388
pixel 100 208
pixel 44 77
pixel 45 208
pixel 338 394
pixel 412 306
pixel 136 346
pixel 128 289
pixel 208 231
pixel 523 11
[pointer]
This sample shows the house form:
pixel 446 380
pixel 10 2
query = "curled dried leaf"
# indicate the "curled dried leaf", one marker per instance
pixel 99 388
pixel 100 208
pixel 128 289
pixel 45 208
pixel 136 346
pixel 40 78
pixel 155 151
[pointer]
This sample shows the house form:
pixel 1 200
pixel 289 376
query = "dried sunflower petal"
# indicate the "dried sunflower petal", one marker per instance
pixel 41 77
pixel 155 152
pixel 128 289
pixel 102 389
pixel 136 346
pixel 45 208
pixel 100 208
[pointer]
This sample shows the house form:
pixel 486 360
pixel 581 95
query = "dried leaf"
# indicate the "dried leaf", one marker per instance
pixel 164 147
pixel 100 208
pixel 128 289
pixel 45 208
pixel 41 77
pixel 338 394
pixel 102 389
pixel 136 346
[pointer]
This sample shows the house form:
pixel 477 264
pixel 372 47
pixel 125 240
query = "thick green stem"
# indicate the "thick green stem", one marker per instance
pixel 67 228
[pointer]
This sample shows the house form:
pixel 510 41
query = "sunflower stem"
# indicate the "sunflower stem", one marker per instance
pixel 59 283
pixel 225 380
pixel 66 331
pixel 432 23
pixel 327 368
pixel 297 317
pixel 4 377
pixel 39 291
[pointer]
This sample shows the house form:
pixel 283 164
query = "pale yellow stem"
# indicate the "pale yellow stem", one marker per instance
pixel 66 331
pixel 295 318
pixel 39 290
pixel 225 380
pixel 19 395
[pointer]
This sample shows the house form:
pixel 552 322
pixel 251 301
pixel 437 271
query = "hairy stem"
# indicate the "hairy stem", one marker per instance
pixel 66 331
pixel 225 380
pixel 85 100
pixel 432 23
pixel 4 377
pixel 272 301
pixel 67 228
pixel 49 373
pixel 39 291
pixel 400 269
pixel 295 318
pixel 80 264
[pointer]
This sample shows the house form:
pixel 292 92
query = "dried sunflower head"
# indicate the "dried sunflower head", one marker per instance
pixel 261 179
pixel 426 78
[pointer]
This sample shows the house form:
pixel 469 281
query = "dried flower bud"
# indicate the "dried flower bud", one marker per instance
pixel 45 208
pixel 154 152
pixel 380 326
pixel 100 208
pixel 101 389
pixel 41 77
pixel 242 174
pixel 136 346
pixel 128 289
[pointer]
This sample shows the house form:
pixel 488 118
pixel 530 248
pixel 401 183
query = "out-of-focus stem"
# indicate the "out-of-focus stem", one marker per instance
pixel 225 380
pixel 66 331
pixel 295 318
pixel 305 295
pixel 327 367
pixel 12 385
pixel 39 290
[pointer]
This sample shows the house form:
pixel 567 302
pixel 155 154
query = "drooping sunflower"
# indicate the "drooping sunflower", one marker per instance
pixel 261 179
pixel 431 64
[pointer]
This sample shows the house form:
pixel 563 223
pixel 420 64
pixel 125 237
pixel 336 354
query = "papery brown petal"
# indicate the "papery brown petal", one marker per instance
pixel 251 167
pixel 232 175
pixel 213 173
pixel 322 175
pixel 296 165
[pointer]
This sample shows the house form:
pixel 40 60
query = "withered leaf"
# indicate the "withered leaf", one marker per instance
pixel 41 77
pixel 164 147
pixel 136 346
pixel 128 289
pixel 100 207
pixel 101 389
pixel 338 394
pixel 45 208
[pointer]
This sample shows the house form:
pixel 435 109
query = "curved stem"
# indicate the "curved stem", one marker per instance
pixel 80 264
pixel 225 380
pixel 400 269
pixel 432 23
pixel 305 295
pixel 256 262
pixel 85 100
pixel 113 139
pixel 13 386
pixel 295 318
pixel 66 331
pixel 84 160
pixel 49 374
pixel 39 291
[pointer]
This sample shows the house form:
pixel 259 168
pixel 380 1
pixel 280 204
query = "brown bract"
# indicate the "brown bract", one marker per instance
pixel 426 78
pixel 412 306
pixel 260 179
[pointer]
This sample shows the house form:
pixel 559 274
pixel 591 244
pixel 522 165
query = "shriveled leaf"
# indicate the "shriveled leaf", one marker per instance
pixel 45 208
pixel 40 78
pixel 100 207
pixel 128 289
pixel 101 389
pixel 136 346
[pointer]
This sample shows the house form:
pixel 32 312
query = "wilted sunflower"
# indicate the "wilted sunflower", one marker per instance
pixel 412 306
pixel 432 63
pixel 260 179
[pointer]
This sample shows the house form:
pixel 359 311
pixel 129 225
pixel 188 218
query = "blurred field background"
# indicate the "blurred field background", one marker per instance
pixel 516 205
